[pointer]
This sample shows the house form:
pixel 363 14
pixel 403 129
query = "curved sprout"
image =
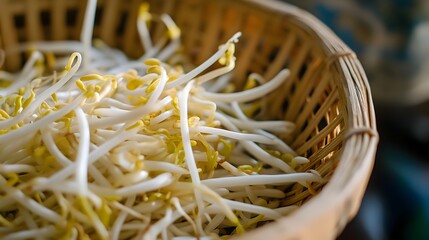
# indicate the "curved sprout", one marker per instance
pixel 82 152
pixel 250 94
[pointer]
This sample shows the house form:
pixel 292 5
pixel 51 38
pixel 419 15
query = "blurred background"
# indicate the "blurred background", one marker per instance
pixel 391 38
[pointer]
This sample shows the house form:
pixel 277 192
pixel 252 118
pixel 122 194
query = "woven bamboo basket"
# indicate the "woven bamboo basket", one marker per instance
pixel 327 94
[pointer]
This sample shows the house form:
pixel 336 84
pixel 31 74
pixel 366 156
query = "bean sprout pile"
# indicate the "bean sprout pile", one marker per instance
pixel 112 148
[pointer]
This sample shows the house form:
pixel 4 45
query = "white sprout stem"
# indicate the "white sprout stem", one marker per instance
pixel 231 169
pixel 81 217
pixel 235 135
pixel 136 65
pixel 52 147
pixel 113 170
pixel 6 76
pixel 163 166
pixel 26 160
pixel 286 210
pixel 16 168
pixel 179 208
pixel 35 56
pixel 133 115
pixel 132 177
pixel 159 88
pixel 178 232
pixel 73 188
pixel 35 207
pixel 116 53
pixel 262 155
pixel 169 23
pixel 81 160
pixel 184 129
pixel 280 144
pixel 64 95
pixel 133 226
pixel 14 147
pixel 98 176
pixel 161 117
pixel 251 94
pixel 168 219
pixel 300 160
pixel 111 143
pixel 59 47
pixel 238 181
pixel 220 83
pixel 169 50
pixel 215 222
pixel 93 157
pixel 100 64
pixel 25 76
pixel 217 200
pixel 202 102
pixel 115 103
pixel 158 182
pixel 30 129
pixel 250 193
pixel 165 233
pixel 130 210
pixel 216 73
pixel 109 112
pixel 186 140
pixel 155 49
pixel 144 34
pixel 192 238
pixel 142 91
pixel 86 34
pixel 148 207
pixel 44 95
pixel 159 226
pixel 31 224
pixel 245 207
pixel 255 150
pixel 271 193
pixel 44 232
pixel 117 225
pixel 97 224
pixel 18 155
pixel 222 191
pixel 192 74
pixel 146 148
pixel 273 126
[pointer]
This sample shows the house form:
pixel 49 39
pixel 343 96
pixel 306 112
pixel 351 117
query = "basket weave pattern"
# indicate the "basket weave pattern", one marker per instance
pixel 327 94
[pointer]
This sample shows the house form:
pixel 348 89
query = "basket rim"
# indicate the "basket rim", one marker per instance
pixel 343 193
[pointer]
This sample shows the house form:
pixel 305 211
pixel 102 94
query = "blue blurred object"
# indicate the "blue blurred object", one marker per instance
pixel 405 188
pixel 390 38
pixel 332 17
pixel 396 203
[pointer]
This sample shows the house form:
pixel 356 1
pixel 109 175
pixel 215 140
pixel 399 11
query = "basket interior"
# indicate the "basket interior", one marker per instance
pixel 271 41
